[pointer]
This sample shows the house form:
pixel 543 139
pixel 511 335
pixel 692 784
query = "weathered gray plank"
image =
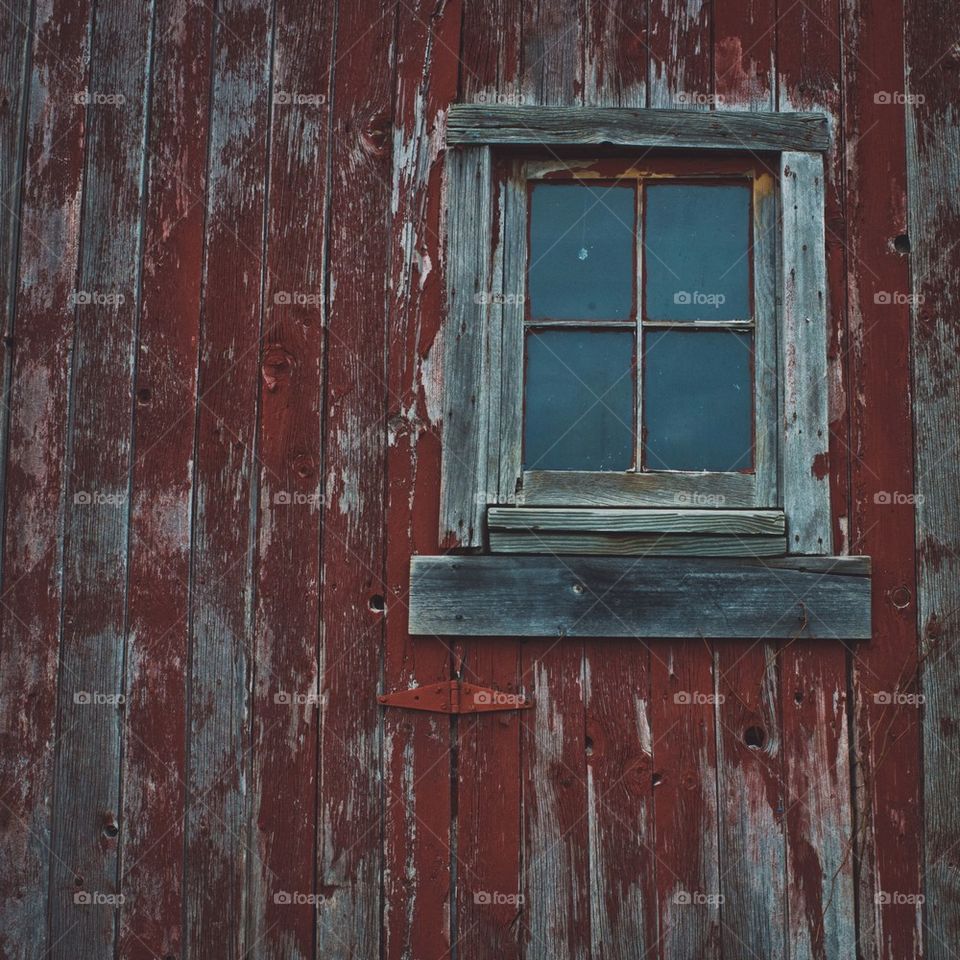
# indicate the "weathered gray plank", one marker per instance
pixel 613 597
pixel 470 123
pixel 87 794
pixel 769 522
pixel 933 177
pixel 35 465
pixel 562 488
pixel 463 482
pixel 806 482
pixel 635 544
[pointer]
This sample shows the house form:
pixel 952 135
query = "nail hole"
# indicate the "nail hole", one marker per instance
pixel 657 779
pixel 144 395
pixel 901 598
pixel 798 697
pixel 589 745
pixel 78 881
pixel 902 243
pixel 377 603
pixel 754 737
pixel 578 588
pixel 110 829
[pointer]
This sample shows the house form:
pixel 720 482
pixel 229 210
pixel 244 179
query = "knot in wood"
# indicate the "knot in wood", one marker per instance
pixel 277 367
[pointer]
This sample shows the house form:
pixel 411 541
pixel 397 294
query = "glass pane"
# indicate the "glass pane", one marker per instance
pixel 581 251
pixel 698 400
pixel 579 410
pixel 697 252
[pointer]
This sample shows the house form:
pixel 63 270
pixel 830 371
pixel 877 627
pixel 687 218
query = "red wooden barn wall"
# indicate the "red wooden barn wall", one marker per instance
pixel 221 277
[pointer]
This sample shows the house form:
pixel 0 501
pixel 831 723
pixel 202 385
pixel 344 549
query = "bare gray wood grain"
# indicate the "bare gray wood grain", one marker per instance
pixel 567 488
pixel 806 482
pixel 627 127
pixel 770 522
pixel 582 543
pixel 933 175
pixel 463 480
pixel 650 598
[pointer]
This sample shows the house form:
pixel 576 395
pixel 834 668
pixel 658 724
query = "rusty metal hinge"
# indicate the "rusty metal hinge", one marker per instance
pixel 455 696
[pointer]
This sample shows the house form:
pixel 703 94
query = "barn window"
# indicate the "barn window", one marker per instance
pixel 635 357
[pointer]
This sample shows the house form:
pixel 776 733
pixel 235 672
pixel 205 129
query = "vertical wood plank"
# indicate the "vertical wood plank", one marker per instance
pixel 821 909
pixel 225 499
pixel 618 746
pixel 932 176
pixel 683 723
pixel 749 760
pixel 353 553
pixel 155 718
pixel 888 740
pixel 488 918
pixel 416 754
pixel 803 360
pixel 680 55
pixel 681 75
pixel 556 879
pixel 287 617
pixel 86 808
pixel 35 465
pixel 15 63
pixel 620 799
pixel 464 485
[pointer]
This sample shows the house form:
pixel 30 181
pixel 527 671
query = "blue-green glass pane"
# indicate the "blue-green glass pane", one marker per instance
pixel 579 405
pixel 697 252
pixel 698 400
pixel 582 242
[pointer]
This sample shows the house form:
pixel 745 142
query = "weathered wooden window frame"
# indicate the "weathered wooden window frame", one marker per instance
pixel 756 489
pixel 479 468
pixel 804 595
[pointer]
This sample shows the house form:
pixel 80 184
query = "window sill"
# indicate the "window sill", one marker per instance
pixel 637 532
pixel 645 598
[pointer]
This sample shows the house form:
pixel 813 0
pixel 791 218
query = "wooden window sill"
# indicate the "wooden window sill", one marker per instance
pixel 716 597
pixel 637 532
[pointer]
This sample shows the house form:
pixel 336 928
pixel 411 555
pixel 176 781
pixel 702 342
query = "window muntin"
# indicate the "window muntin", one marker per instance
pixel 723 423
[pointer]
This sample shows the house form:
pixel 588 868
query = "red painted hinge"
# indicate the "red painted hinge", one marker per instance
pixel 455 696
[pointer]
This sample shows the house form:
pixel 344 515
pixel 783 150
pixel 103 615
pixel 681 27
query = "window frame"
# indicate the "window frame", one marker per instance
pixel 476 469
pixel 757 488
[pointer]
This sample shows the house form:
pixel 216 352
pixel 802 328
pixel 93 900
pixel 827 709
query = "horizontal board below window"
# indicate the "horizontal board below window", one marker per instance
pixel 781 598
pixel 582 543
